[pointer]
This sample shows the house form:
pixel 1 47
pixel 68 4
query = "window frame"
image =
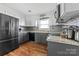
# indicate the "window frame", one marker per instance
pixel 41 26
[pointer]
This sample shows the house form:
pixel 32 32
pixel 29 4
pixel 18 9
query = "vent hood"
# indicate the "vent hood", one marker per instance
pixel 44 16
pixel 68 16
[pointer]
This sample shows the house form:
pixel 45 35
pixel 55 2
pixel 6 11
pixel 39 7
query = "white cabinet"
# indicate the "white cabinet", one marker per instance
pixel 68 11
pixel 69 7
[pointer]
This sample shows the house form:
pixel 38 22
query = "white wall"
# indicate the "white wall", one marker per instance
pixel 32 19
pixel 6 10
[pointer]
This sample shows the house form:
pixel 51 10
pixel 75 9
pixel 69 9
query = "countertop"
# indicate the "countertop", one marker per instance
pixel 59 39
pixel 35 31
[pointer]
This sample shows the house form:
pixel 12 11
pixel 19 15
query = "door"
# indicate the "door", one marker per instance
pixel 12 27
pixel 4 27
pixel 16 26
pixel 7 26
pixel 0 28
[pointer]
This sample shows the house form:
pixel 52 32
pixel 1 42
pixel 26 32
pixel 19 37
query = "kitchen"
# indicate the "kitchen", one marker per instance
pixel 39 29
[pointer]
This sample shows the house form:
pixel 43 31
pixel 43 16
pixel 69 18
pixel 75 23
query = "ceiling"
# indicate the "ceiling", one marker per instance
pixel 31 8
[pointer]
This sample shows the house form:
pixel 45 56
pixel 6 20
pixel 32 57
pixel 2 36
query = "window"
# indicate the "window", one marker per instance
pixel 44 23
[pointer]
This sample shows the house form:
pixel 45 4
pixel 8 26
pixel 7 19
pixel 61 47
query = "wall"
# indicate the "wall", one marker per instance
pixel 6 10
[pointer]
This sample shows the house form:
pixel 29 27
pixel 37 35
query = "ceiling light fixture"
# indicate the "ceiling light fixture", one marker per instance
pixel 29 10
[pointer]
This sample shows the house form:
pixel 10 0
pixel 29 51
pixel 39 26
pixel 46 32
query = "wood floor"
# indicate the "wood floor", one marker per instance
pixel 30 49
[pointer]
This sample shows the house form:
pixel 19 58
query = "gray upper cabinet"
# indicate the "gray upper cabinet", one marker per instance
pixel 68 11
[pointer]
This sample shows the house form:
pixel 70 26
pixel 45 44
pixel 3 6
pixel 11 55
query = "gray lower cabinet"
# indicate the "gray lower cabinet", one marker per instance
pixel 23 37
pixel 37 37
pixel 60 49
pixel 41 37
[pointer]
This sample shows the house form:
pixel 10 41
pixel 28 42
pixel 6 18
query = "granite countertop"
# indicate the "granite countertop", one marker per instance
pixel 59 39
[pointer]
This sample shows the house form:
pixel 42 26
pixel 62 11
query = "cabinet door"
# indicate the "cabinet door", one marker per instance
pixel 37 37
pixel 71 7
pixel 20 37
pixel 23 37
pixel 26 37
pixel 41 37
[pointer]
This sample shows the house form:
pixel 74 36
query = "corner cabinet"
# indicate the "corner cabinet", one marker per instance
pixel 23 37
pixel 67 11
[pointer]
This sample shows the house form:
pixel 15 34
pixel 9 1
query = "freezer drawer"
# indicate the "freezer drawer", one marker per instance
pixel 8 46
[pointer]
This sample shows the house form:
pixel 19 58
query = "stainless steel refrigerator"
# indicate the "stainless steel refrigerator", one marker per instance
pixel 8 33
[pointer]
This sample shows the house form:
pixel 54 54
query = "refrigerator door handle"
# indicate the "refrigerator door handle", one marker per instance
pixel 7 40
